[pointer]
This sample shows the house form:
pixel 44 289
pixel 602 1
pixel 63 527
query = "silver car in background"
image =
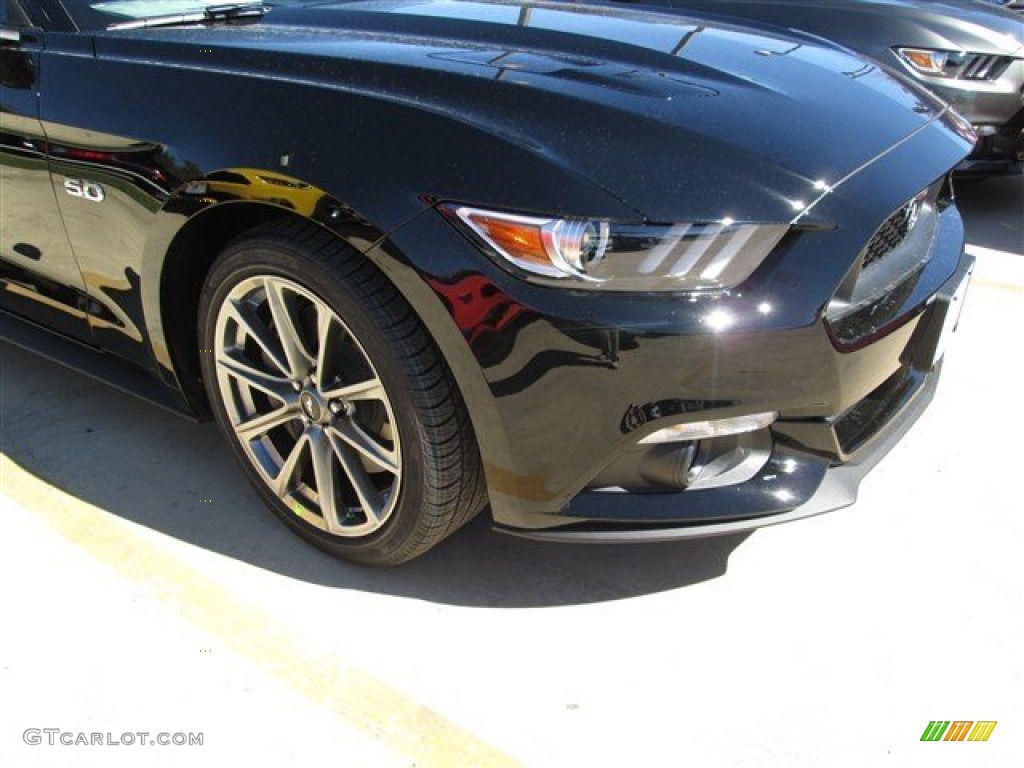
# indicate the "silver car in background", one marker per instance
pixel 969 52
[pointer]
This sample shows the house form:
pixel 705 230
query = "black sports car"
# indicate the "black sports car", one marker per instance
pixel 969 53
pixel 618 274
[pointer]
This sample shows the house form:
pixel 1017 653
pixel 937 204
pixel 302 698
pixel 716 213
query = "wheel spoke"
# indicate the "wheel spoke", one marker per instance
pixel 322 453
pixel 259 425
pixel 283 482
pixel 371 389
pixel 299 361
pixel 242 370
pixel 376 453
pixel 245 315
pixel 324 332
pixel 369 497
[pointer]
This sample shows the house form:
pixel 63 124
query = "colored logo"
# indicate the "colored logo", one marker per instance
pixel 958 730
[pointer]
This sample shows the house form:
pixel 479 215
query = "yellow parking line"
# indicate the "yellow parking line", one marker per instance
pixel 990 253
pixel 998 285
pixel 371 705
pixel 999 270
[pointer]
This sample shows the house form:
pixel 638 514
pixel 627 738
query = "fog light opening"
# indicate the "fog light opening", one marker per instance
pixel 701 430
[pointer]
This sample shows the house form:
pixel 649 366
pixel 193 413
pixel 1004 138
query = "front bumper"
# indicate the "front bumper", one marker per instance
pixel 996 110
pixel 816 466
pixel 791 475
pixel 999 151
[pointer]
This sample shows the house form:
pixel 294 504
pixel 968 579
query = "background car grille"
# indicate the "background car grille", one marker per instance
pixel 890 234
pixel 981 66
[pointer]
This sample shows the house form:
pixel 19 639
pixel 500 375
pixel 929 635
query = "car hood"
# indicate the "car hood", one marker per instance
pixel 657 110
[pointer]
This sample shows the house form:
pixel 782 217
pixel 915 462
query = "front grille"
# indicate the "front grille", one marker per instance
pixel 875 294
pixel 893 232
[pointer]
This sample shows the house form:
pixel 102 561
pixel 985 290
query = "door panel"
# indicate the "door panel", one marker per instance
pixel 109 190
pixel 39 278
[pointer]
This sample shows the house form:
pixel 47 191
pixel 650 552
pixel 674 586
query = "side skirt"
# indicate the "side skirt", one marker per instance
pixel 92 362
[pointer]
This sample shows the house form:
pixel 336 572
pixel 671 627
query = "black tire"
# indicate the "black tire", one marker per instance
pixel 429 482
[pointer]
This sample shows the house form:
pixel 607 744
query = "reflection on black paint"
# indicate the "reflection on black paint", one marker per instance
pixel 481 310
pixel 490 321
pixel 25 282
pixel 129 302
pixel 543 363
pixel 138 165
pixel 28 250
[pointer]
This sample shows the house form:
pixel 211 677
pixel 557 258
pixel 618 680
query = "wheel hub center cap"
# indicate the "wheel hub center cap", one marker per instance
pixel 311 406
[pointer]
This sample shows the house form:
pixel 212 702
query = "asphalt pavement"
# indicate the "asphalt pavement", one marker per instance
pixel 147 591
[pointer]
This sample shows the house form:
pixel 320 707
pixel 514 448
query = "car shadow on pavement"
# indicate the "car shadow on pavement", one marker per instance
pixel 145 465
pixel 993 212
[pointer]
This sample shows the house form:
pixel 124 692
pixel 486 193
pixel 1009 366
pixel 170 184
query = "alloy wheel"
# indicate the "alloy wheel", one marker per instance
pixel 307 406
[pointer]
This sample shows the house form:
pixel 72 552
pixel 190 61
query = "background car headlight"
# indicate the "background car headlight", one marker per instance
pixel 925 61
pixel 954 64
pixel 696 256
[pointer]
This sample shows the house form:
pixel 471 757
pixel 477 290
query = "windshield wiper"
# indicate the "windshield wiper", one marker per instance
pixel 212 13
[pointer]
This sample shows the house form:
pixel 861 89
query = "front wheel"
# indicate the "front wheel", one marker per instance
pixel 337 403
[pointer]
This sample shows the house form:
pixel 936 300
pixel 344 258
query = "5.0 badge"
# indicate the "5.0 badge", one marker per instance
pixel 87 190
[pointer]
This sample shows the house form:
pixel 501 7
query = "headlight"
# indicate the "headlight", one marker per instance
pixel 925 61
pixel 954 64
pixel 697 256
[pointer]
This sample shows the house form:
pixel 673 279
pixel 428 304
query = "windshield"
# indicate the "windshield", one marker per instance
pixel 100 15
pixel 144 9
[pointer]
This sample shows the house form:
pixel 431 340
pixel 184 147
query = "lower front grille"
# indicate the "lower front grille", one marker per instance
pixel 859 424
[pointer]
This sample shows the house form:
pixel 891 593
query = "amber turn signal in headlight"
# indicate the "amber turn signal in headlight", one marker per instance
pixel 926 61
